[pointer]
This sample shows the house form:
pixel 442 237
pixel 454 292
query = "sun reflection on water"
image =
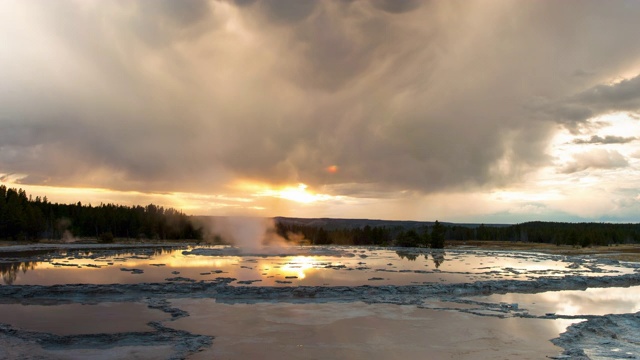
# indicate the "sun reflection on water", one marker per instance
pixel 298 266
pixel 351 266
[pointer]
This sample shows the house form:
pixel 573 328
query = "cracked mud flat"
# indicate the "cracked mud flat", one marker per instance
pixel 310 303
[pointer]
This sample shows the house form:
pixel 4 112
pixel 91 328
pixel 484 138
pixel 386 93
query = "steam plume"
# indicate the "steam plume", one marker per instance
pixel 248 234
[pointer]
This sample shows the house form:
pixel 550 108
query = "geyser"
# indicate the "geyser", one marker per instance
pixel 249 234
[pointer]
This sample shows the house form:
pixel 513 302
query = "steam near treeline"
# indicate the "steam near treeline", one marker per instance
pixel 25 218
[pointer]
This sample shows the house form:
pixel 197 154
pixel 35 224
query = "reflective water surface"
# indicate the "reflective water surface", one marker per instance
pixel 438 328
pixel 592 301
pixel 333 266
pixel 360 331
pixel 74 319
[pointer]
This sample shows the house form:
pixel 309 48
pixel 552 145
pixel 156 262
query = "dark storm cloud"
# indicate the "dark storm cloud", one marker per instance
pixel 609 139
pixel 68 152
pixel 624 95
pixel 400 95
pixel 396 6
pixel 287 11
pixel 597 100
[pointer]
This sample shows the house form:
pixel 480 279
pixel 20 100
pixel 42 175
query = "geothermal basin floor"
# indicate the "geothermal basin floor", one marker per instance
pixel 175 302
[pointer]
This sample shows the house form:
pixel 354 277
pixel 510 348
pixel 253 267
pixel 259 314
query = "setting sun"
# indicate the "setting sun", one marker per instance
pixel 298 194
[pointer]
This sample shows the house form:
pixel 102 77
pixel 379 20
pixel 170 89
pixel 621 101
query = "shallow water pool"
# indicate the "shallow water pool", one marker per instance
pixel 313 266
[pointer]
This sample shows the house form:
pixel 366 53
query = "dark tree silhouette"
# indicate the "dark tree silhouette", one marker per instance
pixel 23 218
pixel 437 236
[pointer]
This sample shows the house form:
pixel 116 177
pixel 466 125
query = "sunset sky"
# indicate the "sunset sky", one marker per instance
pixel 462 111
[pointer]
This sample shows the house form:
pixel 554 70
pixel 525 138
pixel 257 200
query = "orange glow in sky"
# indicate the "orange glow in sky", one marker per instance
pixel 332 169
pixel 298 194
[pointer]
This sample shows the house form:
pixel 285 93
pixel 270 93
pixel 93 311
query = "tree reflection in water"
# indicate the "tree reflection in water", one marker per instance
pixel 407 255
pixel 10 270
pixel 437 255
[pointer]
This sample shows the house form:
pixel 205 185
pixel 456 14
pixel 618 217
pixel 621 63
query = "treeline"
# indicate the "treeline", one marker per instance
pixel 25 218
pixel 427 236
pixel 559 233
pixel 575 234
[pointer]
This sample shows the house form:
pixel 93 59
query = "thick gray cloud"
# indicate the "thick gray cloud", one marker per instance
pixel 414 96
pixel 396 6
pixel 624 95
pixel 597 100
pixel 287 11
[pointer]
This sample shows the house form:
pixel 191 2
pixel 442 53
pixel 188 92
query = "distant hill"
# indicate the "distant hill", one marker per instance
pixel 334 224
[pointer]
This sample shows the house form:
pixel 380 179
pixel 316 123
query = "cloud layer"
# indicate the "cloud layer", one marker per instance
pixel 608 139
pixel 596 159
pixel 401 96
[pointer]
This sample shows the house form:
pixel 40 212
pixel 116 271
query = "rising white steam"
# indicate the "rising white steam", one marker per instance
pixel 249 234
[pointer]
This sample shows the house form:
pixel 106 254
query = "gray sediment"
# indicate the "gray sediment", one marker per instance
pixel 182 343
pixel 222 291
pixel 602 337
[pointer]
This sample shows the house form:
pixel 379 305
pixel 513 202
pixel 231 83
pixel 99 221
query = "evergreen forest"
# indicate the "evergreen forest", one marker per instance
pixel 25 218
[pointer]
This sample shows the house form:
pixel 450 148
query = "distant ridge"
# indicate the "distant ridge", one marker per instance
pixel 334 224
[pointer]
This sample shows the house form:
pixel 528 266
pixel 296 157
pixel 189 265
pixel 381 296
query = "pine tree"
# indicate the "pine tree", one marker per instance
pixel 437 236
